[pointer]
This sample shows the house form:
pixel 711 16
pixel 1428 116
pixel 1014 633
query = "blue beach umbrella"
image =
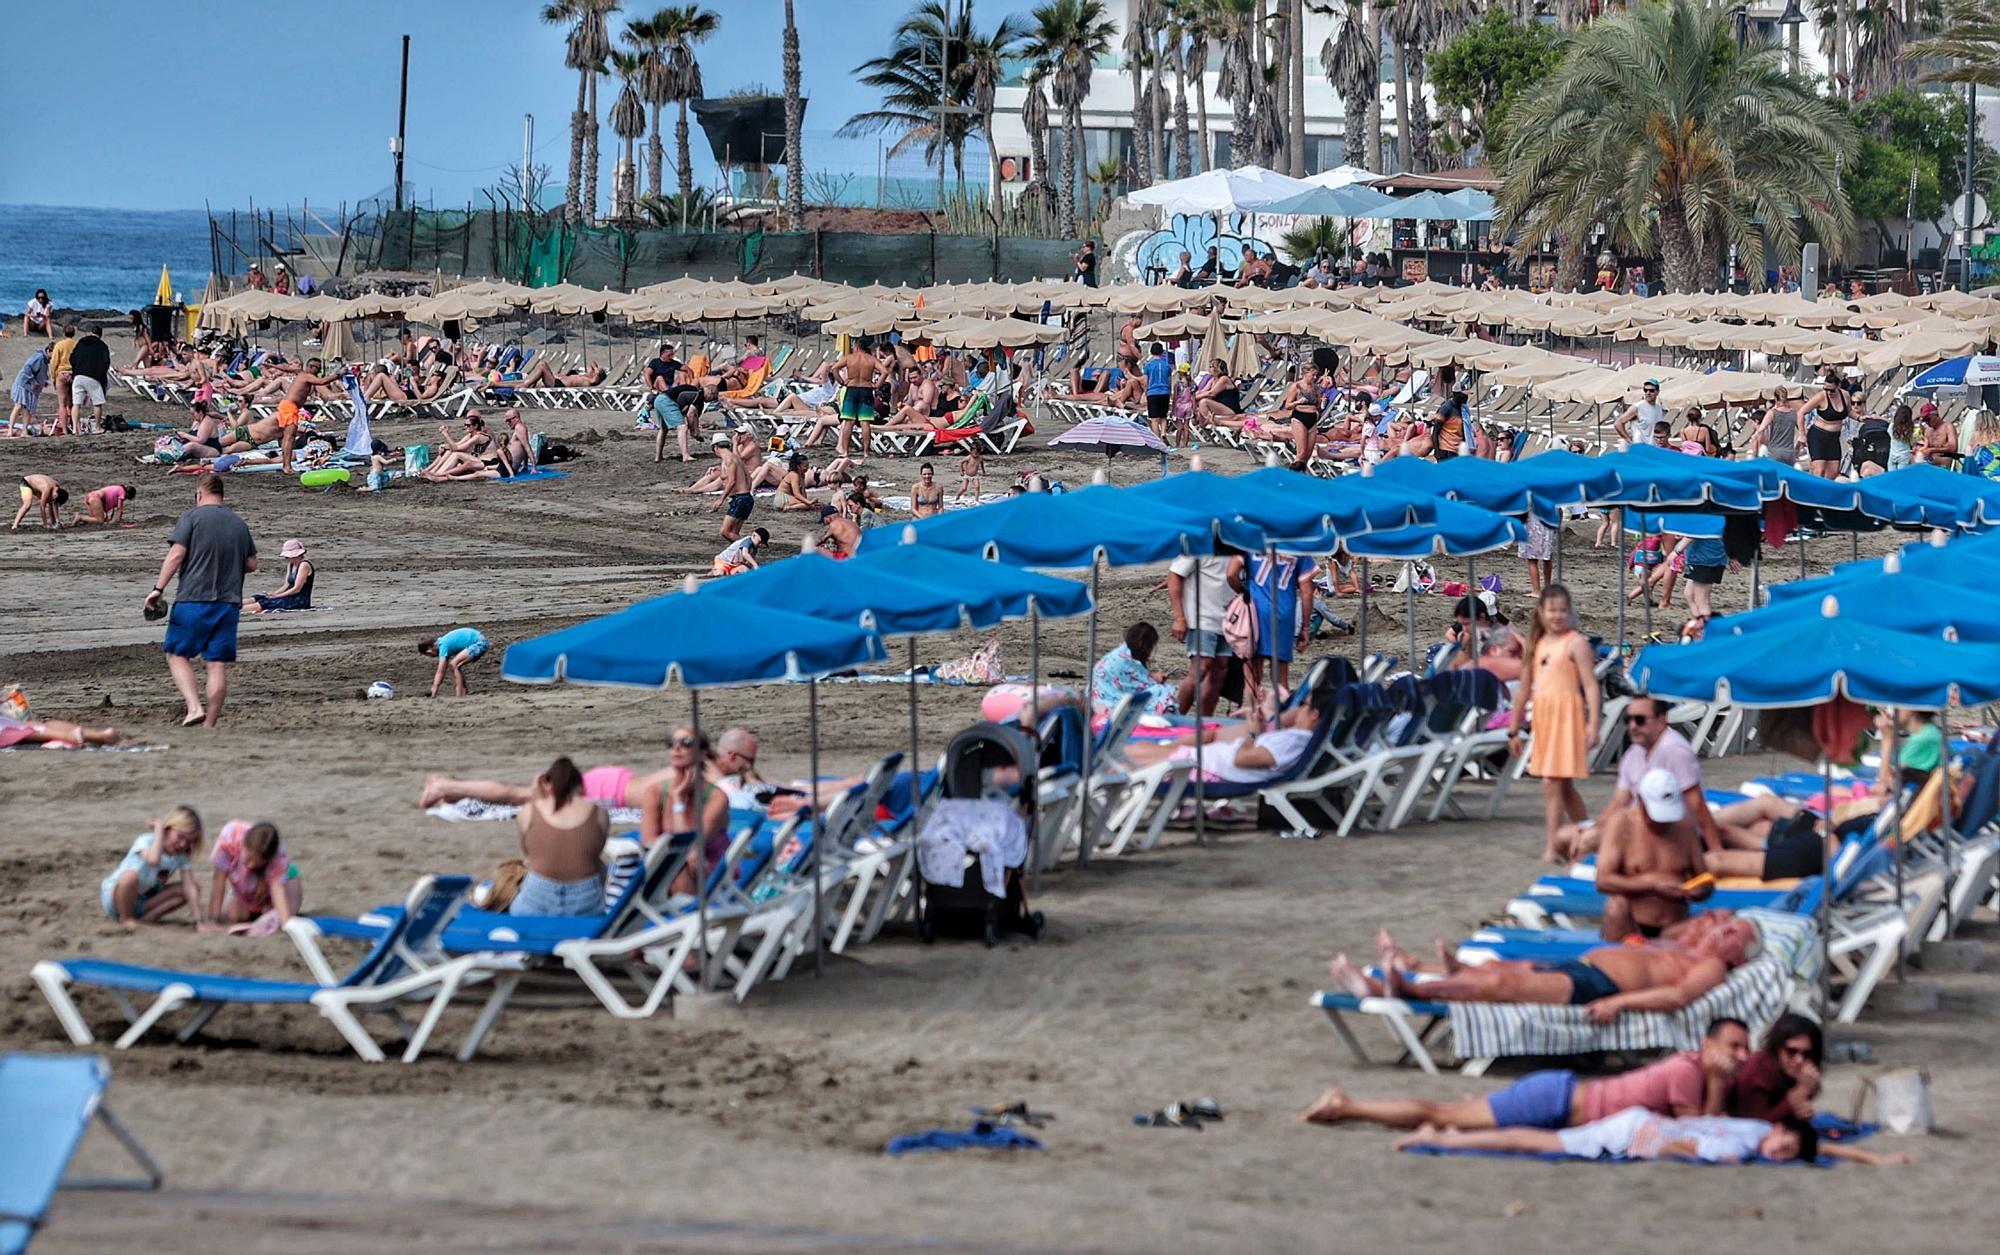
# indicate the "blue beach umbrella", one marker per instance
pixel 1932 496
pixel 1655 478
pixel 1958 372
pixel 1270 506
pixel 1517 488
pixel 1843 657
pixel 1903 603
pixel 1059 530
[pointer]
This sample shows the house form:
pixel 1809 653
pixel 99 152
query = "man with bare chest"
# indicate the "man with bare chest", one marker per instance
pixel 1646 861
pixel 737 500
pixel 857 375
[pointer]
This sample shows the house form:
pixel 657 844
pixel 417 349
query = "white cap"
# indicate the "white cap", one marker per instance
pixel 1660 794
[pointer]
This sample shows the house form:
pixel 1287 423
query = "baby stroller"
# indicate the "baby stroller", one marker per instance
pixel 977 837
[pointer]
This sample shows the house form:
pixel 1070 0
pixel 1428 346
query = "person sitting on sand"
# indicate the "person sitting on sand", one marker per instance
pixel 465 456
pixel 254 876
pixel 296 593
pixel 839 536
pixel 517 448
pixel 156 876
pixel 46 497
pixel 741 554
pixel 562 839
pixel 1238 755
pixel 1127 671
pixel 456 649
pixel 1690 1083
pixel 926 495
pixel 105 505
pixel 1639 1134
pixel 1656 975
pixel 203 437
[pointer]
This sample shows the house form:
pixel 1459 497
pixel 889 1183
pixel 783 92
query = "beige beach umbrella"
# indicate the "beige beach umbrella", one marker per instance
pixel 339 343
pixel 991 333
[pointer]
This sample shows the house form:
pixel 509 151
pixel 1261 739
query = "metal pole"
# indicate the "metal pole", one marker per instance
pixel 700 850
pixel 1896 832
pixel 1802 557
pixel 1197 661
pixel 1826 896
pixel 1410 618
pixel 1971 142
pixel 528 162
pixel 1033 784
pixel 819 828
pixel 916 766
pixel 403 116
pixel 1271 568
pixel 1089 720
pixel 1944 801
pixel 1623 564
pixel 1646 584
pixel 1362 566
pixel 1562 522
pixel 1757 575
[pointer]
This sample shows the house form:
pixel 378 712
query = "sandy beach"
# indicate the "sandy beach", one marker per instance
pixel 1175 974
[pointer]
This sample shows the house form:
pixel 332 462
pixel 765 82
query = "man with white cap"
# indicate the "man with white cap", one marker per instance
pixel 1649 862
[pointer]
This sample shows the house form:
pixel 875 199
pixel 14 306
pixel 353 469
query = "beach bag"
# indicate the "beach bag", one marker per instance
pixel 507 881
pixel 982 666
pixel 1415 574
pixel 416 457
pixel 1902 1101
pixel 168 449
pixel 1239 626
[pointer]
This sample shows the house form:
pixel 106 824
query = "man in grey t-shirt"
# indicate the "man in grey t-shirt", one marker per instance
pixel 211 550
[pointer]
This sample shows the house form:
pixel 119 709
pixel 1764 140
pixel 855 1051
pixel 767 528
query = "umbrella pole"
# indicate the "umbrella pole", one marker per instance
pixel 819 828
pixel 1197 662
pixel 1089 721
pixel 916 767
pixel 700 850
pixel 1362 565
pixel 1622 567
pixel 1410 618
pixel 1271 567
pixel 1826 898
pixel 1646 586
pixel 1561 527
pixel 1944 802
pixel 1032 785
pixel 1757 575
pixel 1889 750
pixel 1802 557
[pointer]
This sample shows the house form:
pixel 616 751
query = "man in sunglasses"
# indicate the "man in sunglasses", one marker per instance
pixel 1647 411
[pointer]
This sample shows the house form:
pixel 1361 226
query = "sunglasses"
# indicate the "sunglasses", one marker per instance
pixel 1636 720
pixel 1795 1052
pixel 682 742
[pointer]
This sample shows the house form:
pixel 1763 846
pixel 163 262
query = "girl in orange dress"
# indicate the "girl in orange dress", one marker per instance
pixel 1561 684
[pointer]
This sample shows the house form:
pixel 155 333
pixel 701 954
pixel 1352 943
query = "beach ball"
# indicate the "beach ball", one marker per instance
pixel 381 690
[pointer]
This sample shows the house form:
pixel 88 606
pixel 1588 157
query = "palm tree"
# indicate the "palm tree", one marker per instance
pixel 1694 145
pixel 679 29
pixel 1173 29
pixel 1197 23
pixel 1069 37
pixel 1354 71
pixel 795 119
pixel 1145 15
pixel 1106 175
pixel 644 38
pixel 628 123
pixel 1235 27
pixel 913 81
pixel 985 64
pixel 1035 121
pixel 585 46
pixel 1969 39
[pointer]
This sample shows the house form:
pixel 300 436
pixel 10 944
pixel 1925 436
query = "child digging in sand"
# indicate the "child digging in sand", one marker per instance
pixel 156 878
pixel 254 878
pixel 456 649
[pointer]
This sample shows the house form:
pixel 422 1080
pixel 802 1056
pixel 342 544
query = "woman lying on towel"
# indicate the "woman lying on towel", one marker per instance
pixel 1664 974
pixel 57 733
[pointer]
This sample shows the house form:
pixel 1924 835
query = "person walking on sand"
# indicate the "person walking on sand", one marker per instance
pixel 857 375
pixel 90 375
pixel 211 550
pixel 456 649
pixel 737 500
pixel 1561 683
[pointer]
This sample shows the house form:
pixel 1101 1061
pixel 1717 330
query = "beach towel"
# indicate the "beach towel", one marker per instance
pixel 980 1135
pixel 132 748
pixel 525 476
pixel 473 811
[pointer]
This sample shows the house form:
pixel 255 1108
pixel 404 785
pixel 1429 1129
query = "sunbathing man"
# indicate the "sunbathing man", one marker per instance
pixel 1770 838
pixel 1647 861
pixel 1690 1083
pixel 1661 975
pixel 1639 1134
pixel 1238 755
pixel 542 375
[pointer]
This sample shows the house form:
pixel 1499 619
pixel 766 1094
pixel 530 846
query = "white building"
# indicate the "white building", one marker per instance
pixel 1107 111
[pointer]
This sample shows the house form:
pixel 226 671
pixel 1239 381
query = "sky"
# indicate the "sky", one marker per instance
pixel 282 102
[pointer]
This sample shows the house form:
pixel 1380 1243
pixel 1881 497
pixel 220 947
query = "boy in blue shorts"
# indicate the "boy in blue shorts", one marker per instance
pixel 455 649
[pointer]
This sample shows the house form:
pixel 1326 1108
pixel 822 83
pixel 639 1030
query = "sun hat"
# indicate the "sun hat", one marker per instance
pixel 293 548
pixel 720 437
pixel 1661 796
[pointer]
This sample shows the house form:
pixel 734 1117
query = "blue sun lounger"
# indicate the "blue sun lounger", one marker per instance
pixel 404 965
pixel 49 1103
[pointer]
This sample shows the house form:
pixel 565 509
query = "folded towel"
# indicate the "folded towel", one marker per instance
pixel 981 1135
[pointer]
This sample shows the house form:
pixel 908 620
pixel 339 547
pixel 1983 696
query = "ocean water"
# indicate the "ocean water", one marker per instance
pixel 98 258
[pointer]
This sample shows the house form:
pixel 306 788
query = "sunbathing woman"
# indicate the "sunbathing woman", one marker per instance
pixel 607 786
pixel 791 402
pixel 1218 396
pixel 18 730
pixel 464 458
pixel 1301 405
pixel 543 375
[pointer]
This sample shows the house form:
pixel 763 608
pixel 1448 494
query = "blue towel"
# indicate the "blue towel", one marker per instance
pixel 540 472
pixel 982 1135
pixel 1831 1128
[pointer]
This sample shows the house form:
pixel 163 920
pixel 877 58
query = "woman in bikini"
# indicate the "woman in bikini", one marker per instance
pixel 1219 397
pixel 1696 431
pixel 1301 405
pixel 1830 412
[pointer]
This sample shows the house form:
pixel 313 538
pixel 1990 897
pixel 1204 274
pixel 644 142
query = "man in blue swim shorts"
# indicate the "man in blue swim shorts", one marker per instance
pixel 1691 1083
pixel 456 649
pixel 210 549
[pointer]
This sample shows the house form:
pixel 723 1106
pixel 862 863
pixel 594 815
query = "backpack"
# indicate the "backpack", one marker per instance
pixel 1239 626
